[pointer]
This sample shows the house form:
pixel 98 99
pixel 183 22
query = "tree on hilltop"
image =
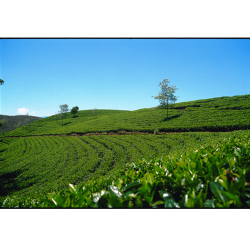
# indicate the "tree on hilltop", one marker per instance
pixel 166 95
pixel 63 109
pixel 74 110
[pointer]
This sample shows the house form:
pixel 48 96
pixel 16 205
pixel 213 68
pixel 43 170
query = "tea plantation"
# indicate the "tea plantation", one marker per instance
pixel 50 165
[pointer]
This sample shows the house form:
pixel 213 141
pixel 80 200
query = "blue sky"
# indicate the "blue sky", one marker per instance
pixel 41 74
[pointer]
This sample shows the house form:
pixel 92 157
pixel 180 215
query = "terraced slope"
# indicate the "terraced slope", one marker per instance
pixel 41 164
pixel 216 114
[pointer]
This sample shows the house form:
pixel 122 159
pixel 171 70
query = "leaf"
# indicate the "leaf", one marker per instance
pixel 165 195
pixel 104 194
pixel 49 203
pixel 170 203
pixel 82 190
pixel 144 191
pixel 210 170
pixel 115 191
pixel 209 203
pixel 169 179
pixel 58 200
pixel 80 202
pixel 248 203
pixel 183 181
pixel 199 186
pixel 240 170
pixel 223 181
pixel 67 202
pixel 149 178
pixel 96 197
pixel 132 185
pixel 158 203
pixel 215 170
pixel 216 188
pixel 73 190
pixel 188 202
pixel 130 194
pixel 148 199
pixel 114 202
pixel 232 196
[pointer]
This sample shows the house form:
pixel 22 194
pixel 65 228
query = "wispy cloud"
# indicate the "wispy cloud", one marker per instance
pixel 22 111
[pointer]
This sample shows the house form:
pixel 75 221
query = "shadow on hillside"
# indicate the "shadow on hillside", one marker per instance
pixel 8 183
pixel 66 123
pixel 171 117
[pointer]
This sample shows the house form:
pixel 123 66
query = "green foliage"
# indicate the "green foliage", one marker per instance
pixel 74 110
pixel 3 123
pixel 212 175
pixel 166 94
pixel 156 131
pixel 20 124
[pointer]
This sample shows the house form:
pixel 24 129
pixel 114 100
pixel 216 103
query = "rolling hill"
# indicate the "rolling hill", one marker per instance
pixel 12 121
pixel 216 114
pixel 47 156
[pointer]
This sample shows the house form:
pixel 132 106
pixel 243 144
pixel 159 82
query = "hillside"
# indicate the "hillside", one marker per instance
pixel 13 121
pixel 35 162
pixel 215 114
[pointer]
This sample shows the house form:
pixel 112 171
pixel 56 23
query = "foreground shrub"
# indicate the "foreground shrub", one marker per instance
pixel 215 176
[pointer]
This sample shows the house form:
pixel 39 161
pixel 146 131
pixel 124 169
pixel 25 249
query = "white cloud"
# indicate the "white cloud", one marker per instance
pixel 22 111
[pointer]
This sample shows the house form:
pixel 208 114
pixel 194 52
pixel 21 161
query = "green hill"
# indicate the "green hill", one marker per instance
pixel 34 161
pixel 216 114
pixel 13 121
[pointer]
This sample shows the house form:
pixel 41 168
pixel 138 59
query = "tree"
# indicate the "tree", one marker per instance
pixel 27 121
pixel 3 123
pixel 63 109
pixel 19 124
pixel 74 111
pixel 166 95
pixel 76 107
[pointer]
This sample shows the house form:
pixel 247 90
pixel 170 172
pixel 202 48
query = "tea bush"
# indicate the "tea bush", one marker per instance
pixel 212 176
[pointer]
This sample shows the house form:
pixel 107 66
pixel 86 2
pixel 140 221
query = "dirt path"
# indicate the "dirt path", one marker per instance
pixel 108 134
